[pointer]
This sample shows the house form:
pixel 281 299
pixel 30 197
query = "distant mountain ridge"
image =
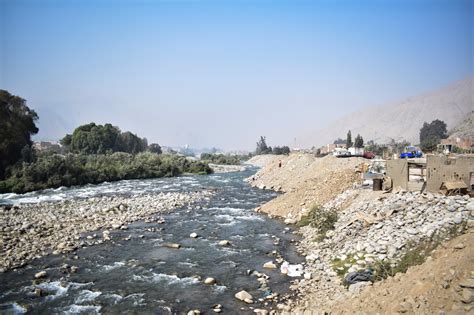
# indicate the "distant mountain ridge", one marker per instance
pixel 465 129
pixel 403 120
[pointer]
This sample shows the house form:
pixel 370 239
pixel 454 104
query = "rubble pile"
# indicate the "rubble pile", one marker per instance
pixel 376 231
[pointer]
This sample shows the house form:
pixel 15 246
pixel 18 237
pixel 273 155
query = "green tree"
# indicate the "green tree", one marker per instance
pixel 339 141
pixel 281 150
pixel 66 140
pixel 262 147
pixel 101 139
pixel 359 141
pixel 17 125
pixel 155 148
pixel 349 140
pixel 432 133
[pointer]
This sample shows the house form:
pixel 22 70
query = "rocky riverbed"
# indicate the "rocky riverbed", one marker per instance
pixel 31 231
pixel 114 247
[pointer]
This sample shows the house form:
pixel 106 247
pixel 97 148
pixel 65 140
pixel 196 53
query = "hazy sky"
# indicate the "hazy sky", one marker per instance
pixel 222 73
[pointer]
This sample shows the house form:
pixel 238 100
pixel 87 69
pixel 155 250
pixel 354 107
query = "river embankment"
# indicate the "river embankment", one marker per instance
pixel 413 243
pixel 304 179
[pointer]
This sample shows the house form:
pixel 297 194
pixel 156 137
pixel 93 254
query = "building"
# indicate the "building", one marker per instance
pixel 447 145
pixel 47 146
pixel 330 148
pixel 433 174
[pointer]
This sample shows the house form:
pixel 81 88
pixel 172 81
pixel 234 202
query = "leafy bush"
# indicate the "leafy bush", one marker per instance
pixel 281 150
pixel 320 219
pixel 221 159
pixel 54 170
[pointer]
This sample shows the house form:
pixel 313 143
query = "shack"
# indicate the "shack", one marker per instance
pixel 450 171
pixel 433 174
pixel 408 174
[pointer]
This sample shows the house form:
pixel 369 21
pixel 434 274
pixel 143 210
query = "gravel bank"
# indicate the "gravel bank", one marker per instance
pixel 305 180
pixel 31 231
pixel 373 231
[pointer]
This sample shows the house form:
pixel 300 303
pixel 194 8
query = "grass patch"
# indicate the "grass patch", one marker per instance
pixel 342 266
pixel 320 219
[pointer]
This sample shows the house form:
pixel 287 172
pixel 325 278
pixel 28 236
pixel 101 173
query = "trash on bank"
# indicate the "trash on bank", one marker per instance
pixel 359 276
pixel 291 270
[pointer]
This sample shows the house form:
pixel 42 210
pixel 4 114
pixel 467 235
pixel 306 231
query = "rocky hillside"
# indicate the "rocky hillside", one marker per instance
pixel 401 120
pixel 465 129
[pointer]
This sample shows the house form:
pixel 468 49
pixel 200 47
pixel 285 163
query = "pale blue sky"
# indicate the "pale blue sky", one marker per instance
pixel 222 73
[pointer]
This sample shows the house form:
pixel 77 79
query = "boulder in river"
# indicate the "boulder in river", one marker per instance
pixel 244 296
pixel 193 235
pixel 172 245
pixel 269 265
pixel 41 274
pixel 210 280
pixel 224 243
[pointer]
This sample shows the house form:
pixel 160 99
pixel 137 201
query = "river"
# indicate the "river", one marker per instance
pixel 140 275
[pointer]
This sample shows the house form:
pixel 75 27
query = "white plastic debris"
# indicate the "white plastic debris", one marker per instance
pixel 291 270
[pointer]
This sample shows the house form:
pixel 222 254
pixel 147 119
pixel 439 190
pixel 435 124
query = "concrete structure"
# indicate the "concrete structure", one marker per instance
pixel 443 169
pixel 432 175
pixel 408 174
pixel 329 148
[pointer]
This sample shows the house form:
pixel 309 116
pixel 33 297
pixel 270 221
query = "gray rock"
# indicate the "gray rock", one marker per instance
pixel 41 274
pixel 458 218
pixel 243 295
pixel 467 296
pixel 356 288
pixel 467 283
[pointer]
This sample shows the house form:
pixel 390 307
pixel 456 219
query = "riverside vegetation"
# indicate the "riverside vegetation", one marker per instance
pixel 55 170
pixel 91 154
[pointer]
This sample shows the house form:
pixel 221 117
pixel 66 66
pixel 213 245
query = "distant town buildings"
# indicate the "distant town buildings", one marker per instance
pixel 463 143
pixel 47 145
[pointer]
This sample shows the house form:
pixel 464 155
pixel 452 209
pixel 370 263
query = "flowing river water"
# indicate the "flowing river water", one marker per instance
pixel 140 276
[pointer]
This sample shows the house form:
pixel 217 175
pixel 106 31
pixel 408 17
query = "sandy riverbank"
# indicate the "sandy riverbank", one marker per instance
pixel 30 231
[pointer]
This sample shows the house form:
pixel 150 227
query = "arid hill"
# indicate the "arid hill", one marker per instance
pixel 401 120
pixel 465 129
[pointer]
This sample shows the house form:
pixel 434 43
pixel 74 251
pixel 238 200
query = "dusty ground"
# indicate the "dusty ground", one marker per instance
pixel 430 288
pixel 305 179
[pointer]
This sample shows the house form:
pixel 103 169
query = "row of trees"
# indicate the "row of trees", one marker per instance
pixel 222 158
pixel 263 148
pixel 102 139
pixel 358 141
pixel 52 170
pixel 430 136
pixel 92 154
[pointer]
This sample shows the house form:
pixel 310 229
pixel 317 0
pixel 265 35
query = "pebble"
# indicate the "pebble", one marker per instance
pixel 210 281
pixel 269 265
pixel 41 274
